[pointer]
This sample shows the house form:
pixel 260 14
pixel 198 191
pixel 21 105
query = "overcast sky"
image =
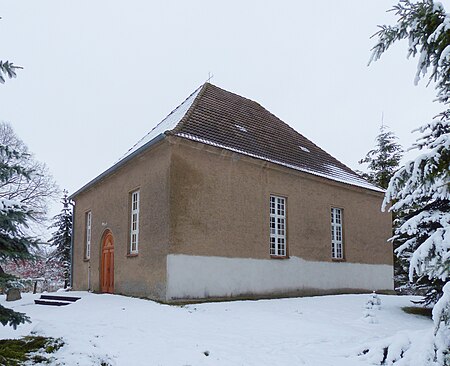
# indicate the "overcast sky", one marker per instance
pixel 98 75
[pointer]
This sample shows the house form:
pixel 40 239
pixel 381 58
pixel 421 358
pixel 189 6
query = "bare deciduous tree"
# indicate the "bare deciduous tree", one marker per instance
pixel 35 192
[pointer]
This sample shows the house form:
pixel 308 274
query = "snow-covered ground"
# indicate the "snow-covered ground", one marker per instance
pixel 315 331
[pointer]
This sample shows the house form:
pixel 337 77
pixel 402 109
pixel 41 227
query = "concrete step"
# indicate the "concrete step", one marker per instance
pixel 56 300
pixel 51 302
pixel 60 298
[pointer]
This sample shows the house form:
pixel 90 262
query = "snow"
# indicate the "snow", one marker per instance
pixel 405 348
pixel 6 205
pixel 373 304
pixel 341 175
pixel 167 124
pixel 315 331
pixel 439 308
pixel 422 182
pixel 305 149
pixel 175 117
pixel 240 128
pixel 335 173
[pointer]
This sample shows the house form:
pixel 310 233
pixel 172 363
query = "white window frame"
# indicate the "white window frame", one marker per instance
pixel 134 222
pixel 88 234
pixel 337 233
pixel 278 226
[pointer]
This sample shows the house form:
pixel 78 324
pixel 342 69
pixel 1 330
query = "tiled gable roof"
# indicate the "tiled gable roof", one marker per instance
pixel 220 118
pixel 217 117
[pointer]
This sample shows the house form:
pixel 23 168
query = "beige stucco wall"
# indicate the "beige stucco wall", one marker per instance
pixel 219 229
pixel 219 206
pixel 202 201
pixel 144 274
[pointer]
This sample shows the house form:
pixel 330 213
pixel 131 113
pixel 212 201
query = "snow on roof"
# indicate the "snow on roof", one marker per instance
pixel 305 149
pixel 341 175
pixel 219 117
pixel 167 124
pixel 241 128
pixel 338 174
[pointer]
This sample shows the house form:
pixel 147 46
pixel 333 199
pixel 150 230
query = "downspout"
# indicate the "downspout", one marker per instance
pixel 71 244
pixel 89 276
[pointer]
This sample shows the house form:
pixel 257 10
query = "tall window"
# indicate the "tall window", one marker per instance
pixel 88 234
pixel 336 233
pixel 134 228
pixel 277 226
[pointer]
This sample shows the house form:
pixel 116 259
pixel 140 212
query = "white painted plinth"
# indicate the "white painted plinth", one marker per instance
pixel 201 277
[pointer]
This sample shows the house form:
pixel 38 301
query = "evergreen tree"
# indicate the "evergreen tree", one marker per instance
pixel 14 215
pixel 62 237
pixel 7 69
pixel 15 244
pixel 384 160
pixel 420 190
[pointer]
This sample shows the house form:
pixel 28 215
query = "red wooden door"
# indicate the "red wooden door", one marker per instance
pixel 107 268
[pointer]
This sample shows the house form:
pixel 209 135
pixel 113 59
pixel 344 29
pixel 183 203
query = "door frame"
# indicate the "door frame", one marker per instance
pixel 107 236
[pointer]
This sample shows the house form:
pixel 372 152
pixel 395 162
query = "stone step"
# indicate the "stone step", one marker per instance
pixel 56 300
pixel 60 298
pixel 51 302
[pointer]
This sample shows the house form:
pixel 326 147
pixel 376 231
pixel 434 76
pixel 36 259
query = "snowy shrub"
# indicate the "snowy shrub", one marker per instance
pixel 48 275
pixel 372 305
pixel 20 284
pixel 403 349
pixel 374 302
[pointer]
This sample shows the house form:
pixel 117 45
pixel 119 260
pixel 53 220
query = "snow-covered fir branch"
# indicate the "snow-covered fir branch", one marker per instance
pixel 419 192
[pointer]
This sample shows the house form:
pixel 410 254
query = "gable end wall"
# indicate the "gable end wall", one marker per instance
pixel 145 274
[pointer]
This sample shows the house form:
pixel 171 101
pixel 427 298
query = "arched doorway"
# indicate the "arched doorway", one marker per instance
pixel 107 265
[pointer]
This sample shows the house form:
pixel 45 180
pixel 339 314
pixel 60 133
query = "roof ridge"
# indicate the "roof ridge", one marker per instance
pixel 224 119
pixel 158 125
pixel 288 126
pixel 191 108
pixel 218 109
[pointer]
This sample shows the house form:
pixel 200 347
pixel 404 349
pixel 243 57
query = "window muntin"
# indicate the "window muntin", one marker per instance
pixel 134 223
pixel 336 234
pixel 88 234
pixel 277 226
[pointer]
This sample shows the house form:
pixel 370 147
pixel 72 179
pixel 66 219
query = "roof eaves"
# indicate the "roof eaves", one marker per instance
pixel 295 167
pixel 119 164
pixel 138 150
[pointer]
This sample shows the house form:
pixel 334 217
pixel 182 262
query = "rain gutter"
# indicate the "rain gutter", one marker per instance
pixel 119 164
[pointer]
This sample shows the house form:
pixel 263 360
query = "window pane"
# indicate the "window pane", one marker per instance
pixel 88 234
pixel 134 226
pixel 277 224
pixel 336 233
